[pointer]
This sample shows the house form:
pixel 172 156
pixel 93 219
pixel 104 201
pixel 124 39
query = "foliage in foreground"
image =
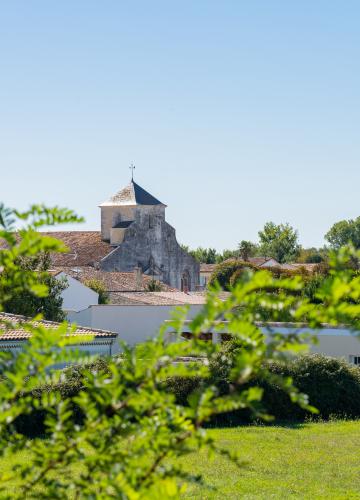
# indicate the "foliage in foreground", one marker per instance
pixel 134 432
pixel 304 461
pixel 27 303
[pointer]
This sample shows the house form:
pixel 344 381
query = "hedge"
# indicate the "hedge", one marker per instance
pixel 224 271
pixel 333 387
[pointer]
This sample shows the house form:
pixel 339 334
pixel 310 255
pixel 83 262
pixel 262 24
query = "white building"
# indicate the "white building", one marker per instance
pixel 336 342
pixel 13 336
pixel 140 315
pixel 76 296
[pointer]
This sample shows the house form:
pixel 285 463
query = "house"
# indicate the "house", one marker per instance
pixel 263 262
pixel 76 296
pixel 206 271
pixel 337 342
pixel 138 316
pixel 13 335
pixel 113 281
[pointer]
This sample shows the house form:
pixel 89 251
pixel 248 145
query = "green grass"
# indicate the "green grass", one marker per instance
pixel 311 461
pixel 319 460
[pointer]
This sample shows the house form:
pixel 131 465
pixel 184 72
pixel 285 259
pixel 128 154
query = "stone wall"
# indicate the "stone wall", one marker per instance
pixel 112 215
pixel 150 242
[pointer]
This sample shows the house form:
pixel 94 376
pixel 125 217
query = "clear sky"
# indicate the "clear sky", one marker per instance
pixel 234 112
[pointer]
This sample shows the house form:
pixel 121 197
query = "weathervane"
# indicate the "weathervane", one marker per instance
pixel 132 168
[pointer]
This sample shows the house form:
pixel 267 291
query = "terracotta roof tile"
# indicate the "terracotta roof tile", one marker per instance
pixel 207 268
pixel 158 298
pixel 113 281
pixel 17 332
pixel 86 248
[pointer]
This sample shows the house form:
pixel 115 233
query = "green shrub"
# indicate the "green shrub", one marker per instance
pixel 223 272
pixel 333 387
pixel 98 287
pixel 154 286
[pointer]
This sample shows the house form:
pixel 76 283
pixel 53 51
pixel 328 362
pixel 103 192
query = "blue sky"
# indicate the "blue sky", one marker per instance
pixel 234 113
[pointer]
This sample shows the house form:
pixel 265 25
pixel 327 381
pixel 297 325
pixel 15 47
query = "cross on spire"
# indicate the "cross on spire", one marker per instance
pixel 132 168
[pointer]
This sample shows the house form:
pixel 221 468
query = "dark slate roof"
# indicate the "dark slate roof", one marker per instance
pixel 123 225
pixel 133 194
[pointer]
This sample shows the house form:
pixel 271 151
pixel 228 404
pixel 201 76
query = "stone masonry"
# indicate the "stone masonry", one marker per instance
pixel 133 222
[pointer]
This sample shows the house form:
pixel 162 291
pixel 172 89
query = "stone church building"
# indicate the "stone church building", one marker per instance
pixel 133 223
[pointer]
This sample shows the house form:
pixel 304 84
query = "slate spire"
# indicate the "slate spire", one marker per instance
pixel 133 194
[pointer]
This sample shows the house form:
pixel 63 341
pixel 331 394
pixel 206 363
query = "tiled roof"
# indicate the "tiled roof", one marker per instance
pixel 85 248
pixel 310 267
pixel 158 298
pixel 207 268
pixel 113 281
pixel 133 194
pixel 15 330
pixel 259 261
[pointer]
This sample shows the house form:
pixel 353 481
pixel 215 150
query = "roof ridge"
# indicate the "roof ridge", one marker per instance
pixel 132 194
pixel 27 319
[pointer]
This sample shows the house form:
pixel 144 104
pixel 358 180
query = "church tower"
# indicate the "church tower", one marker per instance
pixel 126 206
pixel 133 222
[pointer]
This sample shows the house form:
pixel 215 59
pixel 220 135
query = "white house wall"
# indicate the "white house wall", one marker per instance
pixel 334 342
pixel 98 347
pixel 134 324
pixel 77 296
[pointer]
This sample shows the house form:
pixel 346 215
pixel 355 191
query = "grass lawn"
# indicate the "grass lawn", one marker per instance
pixel 309 461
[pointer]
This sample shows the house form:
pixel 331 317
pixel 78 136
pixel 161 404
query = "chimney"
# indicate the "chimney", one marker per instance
pixel 138 278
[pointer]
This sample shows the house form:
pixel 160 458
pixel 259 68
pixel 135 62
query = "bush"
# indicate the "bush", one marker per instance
pixel 224 272
pixel 333 387
pixel 154 286
pixel 33 424
pixel 98 287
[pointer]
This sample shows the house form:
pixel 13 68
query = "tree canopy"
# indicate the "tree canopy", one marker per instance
pixel 25 302
pixel 344 232
pixel 279 241
pixel 247 249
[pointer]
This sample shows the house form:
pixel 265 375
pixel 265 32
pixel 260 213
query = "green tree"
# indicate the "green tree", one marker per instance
pixel 312 255
pixel 133 434
pixel 26 302
pixel 205 255
pixel 344 232
pixel 247 249
pixel 228 254
pixel 98 287
pixel 279 241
